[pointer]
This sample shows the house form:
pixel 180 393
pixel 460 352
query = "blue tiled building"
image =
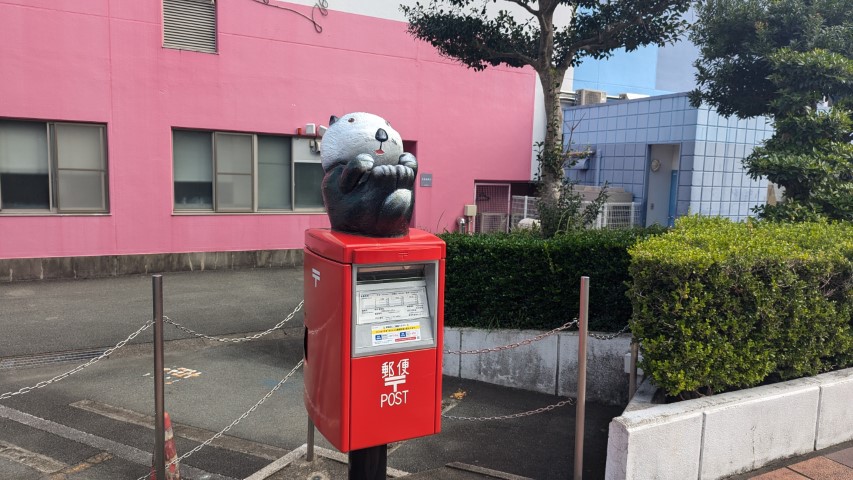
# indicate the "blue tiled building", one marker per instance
pixel 672 157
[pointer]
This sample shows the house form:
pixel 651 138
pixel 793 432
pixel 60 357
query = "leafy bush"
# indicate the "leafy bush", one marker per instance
pixel 522 281
pixel 719 305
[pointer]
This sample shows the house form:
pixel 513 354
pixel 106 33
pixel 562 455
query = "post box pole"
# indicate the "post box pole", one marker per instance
pixel 580 411
pixel 369 463
pixel 309 453
pixel 159 381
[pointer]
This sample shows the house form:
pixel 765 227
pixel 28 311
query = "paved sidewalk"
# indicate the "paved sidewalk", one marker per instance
pixel 833 463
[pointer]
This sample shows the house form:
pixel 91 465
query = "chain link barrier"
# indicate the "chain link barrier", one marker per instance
pixel 110 351
pixel 528 413
pixel 234 340
pixel 235 422
pixel 91 362
pixel 119 345
pixel 526 341
pixel 609 337
pixel 537 338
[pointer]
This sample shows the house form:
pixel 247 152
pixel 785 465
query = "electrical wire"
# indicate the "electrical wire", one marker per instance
pixel 321 6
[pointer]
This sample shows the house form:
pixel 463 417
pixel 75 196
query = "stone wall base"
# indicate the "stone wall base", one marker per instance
pixel 21 269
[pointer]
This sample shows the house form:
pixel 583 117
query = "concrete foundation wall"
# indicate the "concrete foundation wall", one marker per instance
pixel 547 366
pixel 729 433
pixel 19 269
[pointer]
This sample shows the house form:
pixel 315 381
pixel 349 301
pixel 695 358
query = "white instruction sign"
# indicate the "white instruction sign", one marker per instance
pixel 393 304
pixel 395 333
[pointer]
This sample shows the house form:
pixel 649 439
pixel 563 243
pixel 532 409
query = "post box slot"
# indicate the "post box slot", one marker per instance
pixel 384 273
pixel 394 308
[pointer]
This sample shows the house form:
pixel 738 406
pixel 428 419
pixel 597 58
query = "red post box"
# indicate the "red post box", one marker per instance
pixel 374 319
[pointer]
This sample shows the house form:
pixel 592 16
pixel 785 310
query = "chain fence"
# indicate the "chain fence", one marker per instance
pixel 133 335
pixel 235 422
pixel 610 336
pixel 148 325
pixel 528 413
pixel 190 331
pixel 235 340
pixel 527 341
pixel 537 338
pixel 78 368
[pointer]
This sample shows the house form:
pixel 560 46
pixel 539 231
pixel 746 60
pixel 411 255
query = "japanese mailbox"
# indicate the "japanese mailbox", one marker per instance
pixel 374 315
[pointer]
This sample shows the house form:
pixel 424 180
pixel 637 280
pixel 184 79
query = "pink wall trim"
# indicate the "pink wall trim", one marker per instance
pixel 103 61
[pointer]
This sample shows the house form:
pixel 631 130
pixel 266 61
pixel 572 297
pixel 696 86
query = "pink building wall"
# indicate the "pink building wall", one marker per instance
pixel 103 61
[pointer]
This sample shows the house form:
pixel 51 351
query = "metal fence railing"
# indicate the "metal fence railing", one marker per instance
pixel 613 214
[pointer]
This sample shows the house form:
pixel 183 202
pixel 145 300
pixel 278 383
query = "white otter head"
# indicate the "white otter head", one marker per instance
pixel 360 133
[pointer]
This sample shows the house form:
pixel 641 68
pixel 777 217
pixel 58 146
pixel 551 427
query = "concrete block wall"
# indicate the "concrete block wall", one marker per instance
pixel 547 366
pixel 718 182
pixel 715 437
pixel 712 180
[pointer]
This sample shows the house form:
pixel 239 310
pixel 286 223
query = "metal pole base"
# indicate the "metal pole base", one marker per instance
pixel 369 463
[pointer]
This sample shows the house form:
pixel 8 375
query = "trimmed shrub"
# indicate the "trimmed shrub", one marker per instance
pixel 719 305
pixel 523 281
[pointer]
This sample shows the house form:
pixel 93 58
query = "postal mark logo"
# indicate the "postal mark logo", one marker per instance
pixel 394 374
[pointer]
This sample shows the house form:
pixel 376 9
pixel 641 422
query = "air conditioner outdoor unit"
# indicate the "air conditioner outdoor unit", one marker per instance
pixel 591 97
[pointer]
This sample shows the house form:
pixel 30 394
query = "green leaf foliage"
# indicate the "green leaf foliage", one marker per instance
pixel 719 305
pixel 524 281
pixel 464 30
pixel 792 61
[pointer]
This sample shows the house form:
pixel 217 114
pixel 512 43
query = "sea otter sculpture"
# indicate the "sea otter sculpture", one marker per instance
pixel 369 181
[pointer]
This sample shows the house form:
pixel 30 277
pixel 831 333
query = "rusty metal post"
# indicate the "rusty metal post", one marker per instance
pixel 632 369
pixel 159 381
pixel 580 410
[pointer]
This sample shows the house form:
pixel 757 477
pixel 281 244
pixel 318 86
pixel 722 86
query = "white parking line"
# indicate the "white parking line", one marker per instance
pixel 114 448
pixel 260 450
pixel 37 461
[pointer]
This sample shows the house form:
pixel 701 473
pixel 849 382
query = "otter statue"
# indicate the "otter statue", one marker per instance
pixel 369 179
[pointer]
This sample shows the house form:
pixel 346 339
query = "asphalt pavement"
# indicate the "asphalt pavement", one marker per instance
pixel 98 423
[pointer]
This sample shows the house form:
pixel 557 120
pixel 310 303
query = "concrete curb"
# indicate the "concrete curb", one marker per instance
pixel 730 433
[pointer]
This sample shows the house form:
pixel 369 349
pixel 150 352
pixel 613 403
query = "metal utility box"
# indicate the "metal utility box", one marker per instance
pixel 374 321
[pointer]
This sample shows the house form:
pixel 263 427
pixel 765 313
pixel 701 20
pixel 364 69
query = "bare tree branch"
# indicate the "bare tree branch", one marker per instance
pixel 524 5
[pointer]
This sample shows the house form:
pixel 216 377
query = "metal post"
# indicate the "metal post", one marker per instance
pixel 580 410
pixel 309 454
pixel 632 369
pixel 369 463
pixel 159 381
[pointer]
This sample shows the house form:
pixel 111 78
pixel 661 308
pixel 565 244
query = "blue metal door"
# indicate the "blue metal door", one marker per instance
pixel 673 198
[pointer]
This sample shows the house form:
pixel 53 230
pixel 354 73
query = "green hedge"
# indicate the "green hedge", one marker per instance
pixel 522 281
pixel 721 305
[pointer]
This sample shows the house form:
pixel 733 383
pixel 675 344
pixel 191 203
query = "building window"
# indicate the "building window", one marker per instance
pixel 243 172
pixel 190 25
pixel 52 167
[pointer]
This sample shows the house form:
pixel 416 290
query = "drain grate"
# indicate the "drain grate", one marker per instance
pixel 49 358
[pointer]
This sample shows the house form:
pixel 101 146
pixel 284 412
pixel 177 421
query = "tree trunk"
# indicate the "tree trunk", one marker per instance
pixel 551 155
pixel 551 78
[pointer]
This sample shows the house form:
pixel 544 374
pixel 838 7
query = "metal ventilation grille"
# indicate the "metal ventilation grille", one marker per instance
pixel 190 25
pixel 492 207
